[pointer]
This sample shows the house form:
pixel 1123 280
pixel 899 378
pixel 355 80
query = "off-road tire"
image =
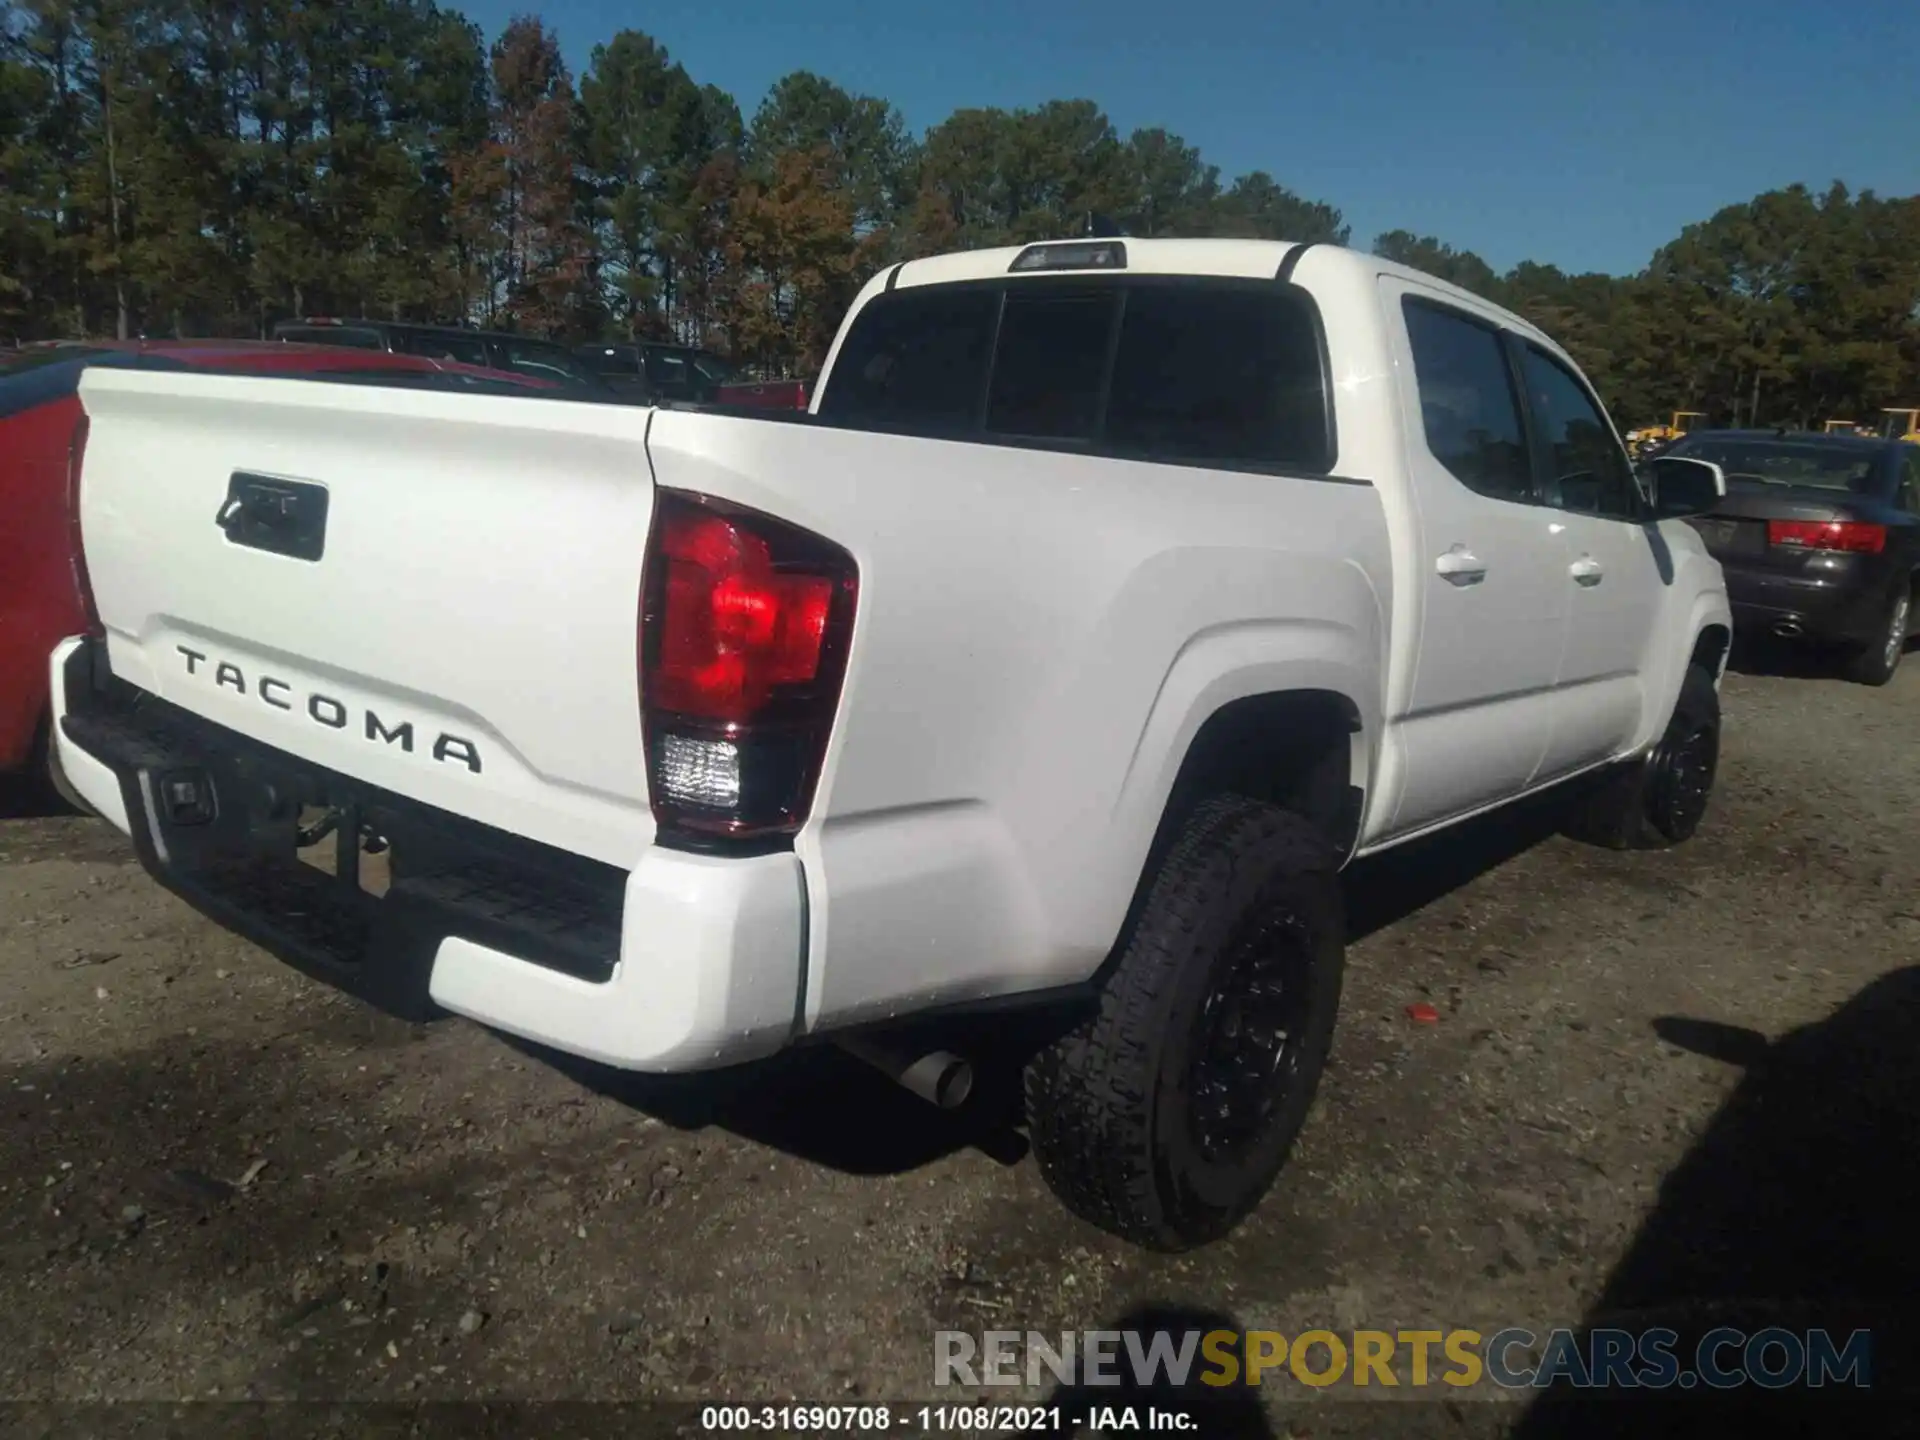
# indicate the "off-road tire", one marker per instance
pixel 1246 890
pixel 1651 803
pixel 1875 662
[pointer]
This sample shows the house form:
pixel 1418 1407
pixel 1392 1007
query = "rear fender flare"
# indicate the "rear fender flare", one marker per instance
pixel 1235 662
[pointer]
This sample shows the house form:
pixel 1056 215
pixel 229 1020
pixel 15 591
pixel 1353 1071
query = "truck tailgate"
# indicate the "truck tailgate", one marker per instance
pixel 445 607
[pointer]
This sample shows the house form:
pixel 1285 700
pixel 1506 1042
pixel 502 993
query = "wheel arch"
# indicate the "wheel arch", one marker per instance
pixel 1269 694
pixel 1290 748
pixel 1707 624
pixel 1711 648
pixel 1310 745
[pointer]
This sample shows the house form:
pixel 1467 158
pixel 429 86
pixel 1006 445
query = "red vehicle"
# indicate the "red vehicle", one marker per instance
pixel 42 436
pixel 773 394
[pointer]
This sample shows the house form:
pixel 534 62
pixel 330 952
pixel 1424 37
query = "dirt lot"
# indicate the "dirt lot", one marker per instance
pixel 218 1180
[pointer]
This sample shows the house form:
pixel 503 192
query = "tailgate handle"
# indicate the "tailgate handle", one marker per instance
pixel 281 517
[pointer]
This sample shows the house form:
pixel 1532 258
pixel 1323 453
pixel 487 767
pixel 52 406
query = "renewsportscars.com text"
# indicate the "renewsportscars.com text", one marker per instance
pixel 1509 1359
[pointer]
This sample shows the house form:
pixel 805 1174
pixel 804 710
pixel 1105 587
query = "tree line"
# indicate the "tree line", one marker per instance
pixel 206 167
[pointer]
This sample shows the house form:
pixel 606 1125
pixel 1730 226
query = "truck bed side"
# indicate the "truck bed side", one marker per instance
pixel 1040 635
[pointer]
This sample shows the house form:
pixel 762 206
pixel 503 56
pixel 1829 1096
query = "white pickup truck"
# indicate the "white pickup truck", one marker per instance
pixel 1111 597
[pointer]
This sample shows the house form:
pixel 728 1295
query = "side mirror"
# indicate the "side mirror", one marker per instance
pixel 1677 487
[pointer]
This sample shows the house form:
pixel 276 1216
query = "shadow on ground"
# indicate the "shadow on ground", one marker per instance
pixel 1385 889
pixel 800 1101
pixel 1227 1407
pixel 1765 655
pixel 1796 1209
pixel 1231 1412
pixel 29 797
pixel 816 1103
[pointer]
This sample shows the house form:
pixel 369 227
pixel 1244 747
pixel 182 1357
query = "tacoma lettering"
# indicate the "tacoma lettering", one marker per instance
pixel 403 732
pixel 333 713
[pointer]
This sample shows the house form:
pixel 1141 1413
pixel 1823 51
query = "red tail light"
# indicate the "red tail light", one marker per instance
pixel 76 549
pixel 1852 536
pixel 744 629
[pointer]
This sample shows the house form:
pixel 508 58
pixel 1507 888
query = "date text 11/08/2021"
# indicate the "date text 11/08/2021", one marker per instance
pixel 939 1419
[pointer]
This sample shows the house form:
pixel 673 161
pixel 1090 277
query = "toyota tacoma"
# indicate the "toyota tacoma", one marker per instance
pixel 1108 599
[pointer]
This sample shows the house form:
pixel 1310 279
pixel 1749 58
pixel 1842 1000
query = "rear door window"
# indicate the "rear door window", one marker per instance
pixel 1468 411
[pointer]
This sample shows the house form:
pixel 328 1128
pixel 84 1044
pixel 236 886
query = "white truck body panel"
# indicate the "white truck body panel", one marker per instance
pixel 481 580
pixel 1039 637
pixel 1013 600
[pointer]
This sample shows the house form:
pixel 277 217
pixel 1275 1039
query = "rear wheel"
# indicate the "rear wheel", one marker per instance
pixel 1165 1117
pixel 1660 799
pixel 1875 663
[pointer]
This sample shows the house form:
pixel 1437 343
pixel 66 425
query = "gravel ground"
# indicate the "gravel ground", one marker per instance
pixel 221 1181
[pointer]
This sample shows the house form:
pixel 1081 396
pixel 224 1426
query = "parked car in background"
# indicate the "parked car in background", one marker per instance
pixel 766 394
pixel 42 435
pixel 1819 536
pixel 653 371
pixel 656 373
pixel 1111 597
pixel 493 349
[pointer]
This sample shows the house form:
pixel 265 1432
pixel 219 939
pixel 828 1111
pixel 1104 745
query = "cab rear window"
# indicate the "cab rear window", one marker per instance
pixel 1219 372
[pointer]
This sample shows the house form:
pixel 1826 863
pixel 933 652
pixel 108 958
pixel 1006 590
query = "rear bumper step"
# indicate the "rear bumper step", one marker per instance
pixel 684 963
pixel 214 818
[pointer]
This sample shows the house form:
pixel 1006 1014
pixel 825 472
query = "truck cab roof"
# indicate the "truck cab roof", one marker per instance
pixel 1226 259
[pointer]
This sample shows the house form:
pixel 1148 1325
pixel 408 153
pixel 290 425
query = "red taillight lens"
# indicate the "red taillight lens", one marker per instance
pixel 76 549
pixel 732 628
pixel 1852 536
pixel 744 631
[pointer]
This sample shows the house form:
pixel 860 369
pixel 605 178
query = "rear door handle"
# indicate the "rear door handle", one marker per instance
pixel 1587 571
pixel 1461 566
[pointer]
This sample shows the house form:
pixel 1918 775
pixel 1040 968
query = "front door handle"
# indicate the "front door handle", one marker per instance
pixel 1461 566
pixel 1587 571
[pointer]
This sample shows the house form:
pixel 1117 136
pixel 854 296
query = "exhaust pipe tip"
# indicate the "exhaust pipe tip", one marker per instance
pixel 948 1079
pixel 939 1077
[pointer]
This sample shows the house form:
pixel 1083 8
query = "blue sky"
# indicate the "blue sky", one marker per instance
pixel 1564 131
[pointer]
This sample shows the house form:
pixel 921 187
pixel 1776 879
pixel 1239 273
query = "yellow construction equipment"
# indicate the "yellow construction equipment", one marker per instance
pixel 1664 434
pixel 1838 427
pixel 1902 425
